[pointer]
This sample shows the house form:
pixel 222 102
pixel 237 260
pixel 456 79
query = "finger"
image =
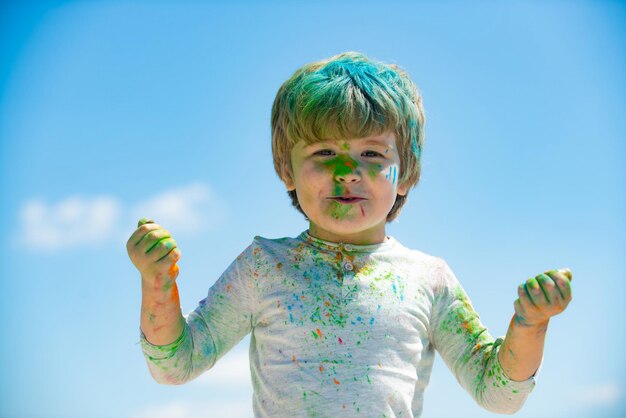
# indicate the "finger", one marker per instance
pixel 152 238
pixel 560 281
pixel 171 257
pixel 161 248
pixel 565 287
pixel 526 302
pixel 139 234
pixel 534 291
pixel 144 221
pixel 550 291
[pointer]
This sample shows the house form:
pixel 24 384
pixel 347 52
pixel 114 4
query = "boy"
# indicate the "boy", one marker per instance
pixel 344 319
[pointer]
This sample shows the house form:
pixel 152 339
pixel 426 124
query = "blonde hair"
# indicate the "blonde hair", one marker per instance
pixel 349 96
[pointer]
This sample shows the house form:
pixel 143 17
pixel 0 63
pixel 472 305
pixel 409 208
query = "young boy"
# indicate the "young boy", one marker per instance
pixel 344 319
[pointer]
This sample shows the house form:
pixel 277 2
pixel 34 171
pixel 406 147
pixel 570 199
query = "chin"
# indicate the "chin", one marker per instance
pixel 345 226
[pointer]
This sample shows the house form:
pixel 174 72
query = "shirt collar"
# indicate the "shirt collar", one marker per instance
pixel 388 244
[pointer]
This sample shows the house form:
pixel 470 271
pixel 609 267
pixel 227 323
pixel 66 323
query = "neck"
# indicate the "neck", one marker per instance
pixel 369 237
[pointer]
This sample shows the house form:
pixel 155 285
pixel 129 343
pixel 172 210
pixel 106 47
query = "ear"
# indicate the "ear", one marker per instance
pixel 403 189
pixel 287 177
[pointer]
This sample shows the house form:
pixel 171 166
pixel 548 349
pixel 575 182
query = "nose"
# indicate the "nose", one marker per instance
pixel 347 172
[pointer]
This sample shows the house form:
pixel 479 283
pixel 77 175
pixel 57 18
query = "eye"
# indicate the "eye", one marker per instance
pixel 371 154
pixel 324 153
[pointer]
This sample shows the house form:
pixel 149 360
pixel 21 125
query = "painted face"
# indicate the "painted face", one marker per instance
pixel 347 188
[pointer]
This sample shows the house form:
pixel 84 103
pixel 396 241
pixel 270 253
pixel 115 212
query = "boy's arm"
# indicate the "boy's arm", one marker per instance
pixel 468 349
pixel 154 253
pixel 540 298
pixel 178 349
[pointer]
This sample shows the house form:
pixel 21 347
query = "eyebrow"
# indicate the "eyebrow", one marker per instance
pixel 376 142
pixel 368 142
pixel 379 142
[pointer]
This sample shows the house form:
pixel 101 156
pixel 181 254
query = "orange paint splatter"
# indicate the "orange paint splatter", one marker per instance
pixel 468 327
pixel 293 359
pixel 228 287
pixel 327 313
pixel 327 303
pixel 173 271
pixel 174 296
pixel 336 381
pixel 321 368
pixel 319 332
pixel 302 297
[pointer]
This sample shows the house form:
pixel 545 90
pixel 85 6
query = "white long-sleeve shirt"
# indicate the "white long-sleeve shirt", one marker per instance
pixel 340 330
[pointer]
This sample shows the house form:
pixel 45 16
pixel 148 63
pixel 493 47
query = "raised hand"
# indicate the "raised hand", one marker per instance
pixel 153 251
pixel 543 297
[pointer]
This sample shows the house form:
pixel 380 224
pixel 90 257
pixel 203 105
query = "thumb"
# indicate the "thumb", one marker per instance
pixel 567 273
pixel 143 221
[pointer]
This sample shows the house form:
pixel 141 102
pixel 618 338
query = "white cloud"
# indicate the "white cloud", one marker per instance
pixel 231 370
pixel 181 409
pixel 71 222
pixel 188 209
pixel 606 394
pixel 87 221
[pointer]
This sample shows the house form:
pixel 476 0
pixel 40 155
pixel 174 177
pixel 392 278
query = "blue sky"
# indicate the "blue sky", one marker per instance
pixel 114 110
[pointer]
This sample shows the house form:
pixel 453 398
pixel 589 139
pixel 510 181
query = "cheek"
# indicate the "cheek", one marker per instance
pixel 391 174
pixel 375 170
pixel 309 183
pixel 388 173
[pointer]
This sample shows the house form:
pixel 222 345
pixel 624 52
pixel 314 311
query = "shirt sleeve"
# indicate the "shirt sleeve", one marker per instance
pixel 468 349
pixel 219 322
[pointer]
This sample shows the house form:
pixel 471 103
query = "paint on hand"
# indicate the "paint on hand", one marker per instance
pixel 144 221
pixel 173 271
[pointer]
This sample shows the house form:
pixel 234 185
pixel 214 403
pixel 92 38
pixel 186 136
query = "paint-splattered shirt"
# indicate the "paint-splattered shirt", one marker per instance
pixel 340 330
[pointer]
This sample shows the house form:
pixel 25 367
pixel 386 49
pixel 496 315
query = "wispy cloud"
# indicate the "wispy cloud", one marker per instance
pixel 187 209
pixel 71 222
pixel 605 394
pixel 87 221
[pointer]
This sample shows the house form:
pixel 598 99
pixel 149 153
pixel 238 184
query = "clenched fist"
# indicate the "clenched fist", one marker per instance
pixel 153 251
pixel 543 297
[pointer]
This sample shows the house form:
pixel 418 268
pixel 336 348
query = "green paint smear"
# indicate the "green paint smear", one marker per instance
pixel 340 211
pixel 373 170
pixel 168 285
pixel 341 165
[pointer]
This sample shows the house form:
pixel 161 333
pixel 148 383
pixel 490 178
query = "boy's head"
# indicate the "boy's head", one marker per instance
pixel 345 97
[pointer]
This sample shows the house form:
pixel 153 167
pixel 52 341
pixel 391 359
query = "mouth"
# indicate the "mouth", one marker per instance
pixel 347 200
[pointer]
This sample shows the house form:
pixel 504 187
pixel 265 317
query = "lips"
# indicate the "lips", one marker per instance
pixel 347 200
